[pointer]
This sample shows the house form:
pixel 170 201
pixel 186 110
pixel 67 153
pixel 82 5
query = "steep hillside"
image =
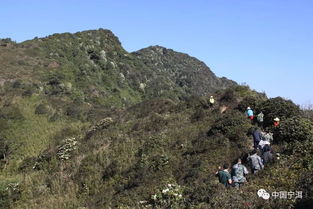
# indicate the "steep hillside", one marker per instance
pixel 71 80
pixel 128 159
pixel 85 124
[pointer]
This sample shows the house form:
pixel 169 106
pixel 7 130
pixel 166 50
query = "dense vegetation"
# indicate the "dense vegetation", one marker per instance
pixel 85 124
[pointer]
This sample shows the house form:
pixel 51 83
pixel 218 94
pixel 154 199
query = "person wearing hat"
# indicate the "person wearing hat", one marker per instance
pixel 276 121
pixel 250 113
pixel 211 101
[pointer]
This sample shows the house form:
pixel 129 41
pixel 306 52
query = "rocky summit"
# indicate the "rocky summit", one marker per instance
pixel 86 124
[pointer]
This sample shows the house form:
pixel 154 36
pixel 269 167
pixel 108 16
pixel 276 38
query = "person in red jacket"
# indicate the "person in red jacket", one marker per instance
pixel 276 122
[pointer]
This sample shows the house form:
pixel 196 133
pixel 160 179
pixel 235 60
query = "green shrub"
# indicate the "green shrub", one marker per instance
pixel 308 113
pixel 74 111
pixel 27 93
pixel 11 113
pixel 56 116
pixel 4 198
pixel 17 84
pixel 303 152
pixel 242 90
pixel 294 128
pixel 4 148
pixel 229 96
pixel 10 192
pixel 6 41
pixel 278 107
pixel 305 185
pixel 4 124
pixel 27 164
pixel 250 101
pixel 198 115
pixel 41 109
pixel 234 125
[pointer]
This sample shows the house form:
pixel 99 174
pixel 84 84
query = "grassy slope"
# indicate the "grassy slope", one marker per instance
pixel 147 147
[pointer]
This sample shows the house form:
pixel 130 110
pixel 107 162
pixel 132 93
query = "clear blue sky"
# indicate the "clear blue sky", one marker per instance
pixel 267 44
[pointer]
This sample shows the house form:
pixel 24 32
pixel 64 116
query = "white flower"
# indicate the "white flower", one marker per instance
pixel 165 190
pixel 169 185
pixel 154 197
pixel 180 196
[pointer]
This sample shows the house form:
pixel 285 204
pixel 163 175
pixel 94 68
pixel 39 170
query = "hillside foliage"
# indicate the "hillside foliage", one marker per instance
pixel 85 124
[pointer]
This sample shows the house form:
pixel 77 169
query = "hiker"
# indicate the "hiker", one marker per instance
pixel 262 143
pixel 211 101
pixel 255 162
pixel 276 122
pixel 224 176
pixel 256 134
pixel 267 155
pixel 250 113
pixel 267 135
pixel 239 171
pixel 260 119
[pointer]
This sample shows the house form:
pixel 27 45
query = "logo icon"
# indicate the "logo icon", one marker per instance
pixel 263 194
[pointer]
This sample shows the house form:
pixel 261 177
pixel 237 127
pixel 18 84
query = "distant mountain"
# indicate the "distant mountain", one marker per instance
pixel 186 72
pixel 94 65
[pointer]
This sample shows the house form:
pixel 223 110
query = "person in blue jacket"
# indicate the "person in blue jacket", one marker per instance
pixel 250 113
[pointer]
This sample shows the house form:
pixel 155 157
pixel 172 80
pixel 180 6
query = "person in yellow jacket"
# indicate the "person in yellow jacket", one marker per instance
pixel 212 101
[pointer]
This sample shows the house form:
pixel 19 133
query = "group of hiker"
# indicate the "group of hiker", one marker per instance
pixel 260 118
pixel 257 158
pixel 234 178
pixel 250 114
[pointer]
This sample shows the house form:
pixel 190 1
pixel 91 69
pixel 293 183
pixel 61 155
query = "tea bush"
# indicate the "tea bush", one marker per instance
pixel 41 109
pixel 292 129
pixel 250 101
pixel 229 96
pixel 11 113
pixel 234 125
pixel 278 107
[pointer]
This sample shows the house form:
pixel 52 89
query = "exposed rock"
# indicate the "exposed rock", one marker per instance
pixel 53 64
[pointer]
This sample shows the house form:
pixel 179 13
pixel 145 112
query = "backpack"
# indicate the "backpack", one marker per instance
pixel 267 157
pixel 260 117
pixel 255 164
pixel 238 171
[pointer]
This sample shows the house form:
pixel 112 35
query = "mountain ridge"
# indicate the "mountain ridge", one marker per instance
pixel 86 124
pixel 94 64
